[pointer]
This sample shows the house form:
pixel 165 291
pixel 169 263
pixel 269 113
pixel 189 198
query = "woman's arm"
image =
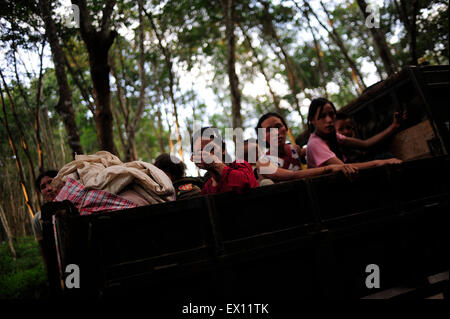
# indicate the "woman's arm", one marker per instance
pixel 364 165
pixel 358 143
pixel 270 170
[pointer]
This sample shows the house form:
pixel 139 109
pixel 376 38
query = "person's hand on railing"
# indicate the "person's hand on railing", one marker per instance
pixel 350 171
pixel 391 161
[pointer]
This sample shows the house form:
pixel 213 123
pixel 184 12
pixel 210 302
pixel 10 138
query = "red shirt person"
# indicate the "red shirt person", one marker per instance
pixel 209 154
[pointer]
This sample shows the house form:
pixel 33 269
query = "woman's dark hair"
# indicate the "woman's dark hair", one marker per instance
pixel 50 173
pixel 266 116
pixel 317 105
pixel 170 164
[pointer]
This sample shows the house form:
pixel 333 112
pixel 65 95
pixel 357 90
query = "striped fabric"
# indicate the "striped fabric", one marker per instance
pixel 89 201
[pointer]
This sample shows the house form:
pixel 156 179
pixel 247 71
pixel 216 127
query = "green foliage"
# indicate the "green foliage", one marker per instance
pixel 433 32
pixel 193 33
pixel 25 277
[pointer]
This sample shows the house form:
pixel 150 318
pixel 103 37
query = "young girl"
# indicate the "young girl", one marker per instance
pixel 323 145
pixel 286 164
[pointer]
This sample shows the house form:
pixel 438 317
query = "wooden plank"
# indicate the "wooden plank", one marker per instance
pixel 412 143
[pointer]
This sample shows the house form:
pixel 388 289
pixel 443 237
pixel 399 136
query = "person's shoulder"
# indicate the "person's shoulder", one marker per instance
pixel 312 137
pixel 314 140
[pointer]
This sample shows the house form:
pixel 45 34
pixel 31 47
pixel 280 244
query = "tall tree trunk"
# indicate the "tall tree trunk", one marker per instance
pixel 373 56
pixel 22 92
pixel 340 43
pixel 379 40
pixel 49 144
pixel 168 60
pixel 375 62
pixel 11 194
pixel 117 118
pixel 131 149
pixel 64 106
pixel 294 68
pixel 98 44
pixel 317 49
pixel 293 79
pixel 160 130
pixel 123 107
pixel 61 144
pixel 19 166
pixel 412 28
pixel 37 123
pixel 14 196
pixel 4 222
pixel 171 147
pixel 336 38
pixel 228 12
pixel 80 84
pixel 337 60
pixel 23 141
pixel 275 98
pixel 124 110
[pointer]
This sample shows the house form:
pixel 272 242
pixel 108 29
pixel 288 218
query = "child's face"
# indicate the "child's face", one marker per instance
pixel 275 122
pixel 345 127
pixel 323 120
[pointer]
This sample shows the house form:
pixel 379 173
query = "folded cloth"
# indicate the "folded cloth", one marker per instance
pixel 134 197
pixel 104 171
pixel 89 201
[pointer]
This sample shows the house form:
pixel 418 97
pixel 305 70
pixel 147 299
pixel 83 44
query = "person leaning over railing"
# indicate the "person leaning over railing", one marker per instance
pixel 285 164
pixel 324 144
pixel 208 152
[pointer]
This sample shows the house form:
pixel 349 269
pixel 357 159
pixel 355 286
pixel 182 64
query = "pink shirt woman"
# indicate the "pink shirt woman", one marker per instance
pixel 318 151
pixel 324 143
